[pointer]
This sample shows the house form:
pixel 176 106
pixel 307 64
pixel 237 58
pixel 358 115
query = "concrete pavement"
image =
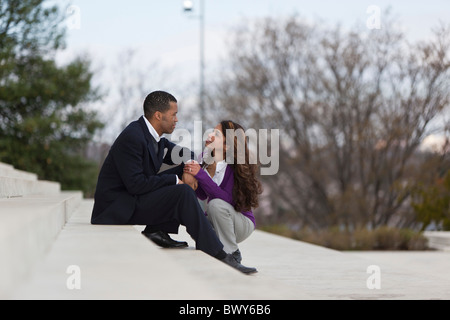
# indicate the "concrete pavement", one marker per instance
pixel 117 262
pixel 328 274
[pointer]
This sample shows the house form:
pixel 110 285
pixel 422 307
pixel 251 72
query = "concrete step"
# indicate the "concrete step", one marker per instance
pixel 439 240
pixel 19 187
pixel 18 183
pixel 327 274
pixel 7 170
pixel 28 226
pixel 117 262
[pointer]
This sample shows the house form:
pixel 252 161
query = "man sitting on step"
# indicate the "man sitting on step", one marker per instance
pixel 130 189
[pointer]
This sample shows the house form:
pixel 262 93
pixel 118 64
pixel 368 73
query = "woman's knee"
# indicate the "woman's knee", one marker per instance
pixel 218 207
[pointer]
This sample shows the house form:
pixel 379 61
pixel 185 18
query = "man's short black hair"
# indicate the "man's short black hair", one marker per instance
pixel 157 101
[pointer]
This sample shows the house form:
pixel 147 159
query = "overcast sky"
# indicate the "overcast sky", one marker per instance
pixel 160 31
pixel 165 32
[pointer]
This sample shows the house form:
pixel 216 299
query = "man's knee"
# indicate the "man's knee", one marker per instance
pixel 183 188
pixel 186 191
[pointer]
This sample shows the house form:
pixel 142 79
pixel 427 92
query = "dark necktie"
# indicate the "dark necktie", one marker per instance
pixel 155 145
pixel 160 146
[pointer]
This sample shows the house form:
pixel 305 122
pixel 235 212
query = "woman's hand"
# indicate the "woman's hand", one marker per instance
pixel 192 168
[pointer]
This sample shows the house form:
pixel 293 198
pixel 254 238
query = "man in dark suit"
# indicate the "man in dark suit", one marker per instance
pixel 131 190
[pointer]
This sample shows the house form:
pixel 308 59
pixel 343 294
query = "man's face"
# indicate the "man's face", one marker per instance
pixel 169 118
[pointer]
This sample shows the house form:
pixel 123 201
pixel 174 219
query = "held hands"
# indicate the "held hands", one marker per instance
pixel 189 180
pixel 192 168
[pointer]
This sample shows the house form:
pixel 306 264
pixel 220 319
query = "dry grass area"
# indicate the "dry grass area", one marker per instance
pixel 383 238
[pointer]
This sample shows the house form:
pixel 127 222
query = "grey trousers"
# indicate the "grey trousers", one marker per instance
pixel 231 227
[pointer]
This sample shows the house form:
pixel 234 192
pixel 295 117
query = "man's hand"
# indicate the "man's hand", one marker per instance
pixel 190 180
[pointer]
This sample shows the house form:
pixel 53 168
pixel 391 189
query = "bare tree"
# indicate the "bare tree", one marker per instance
pixel 353 107
pixel 131 78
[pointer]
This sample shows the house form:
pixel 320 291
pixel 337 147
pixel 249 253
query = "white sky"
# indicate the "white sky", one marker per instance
pixel 162 32
pixel 165 32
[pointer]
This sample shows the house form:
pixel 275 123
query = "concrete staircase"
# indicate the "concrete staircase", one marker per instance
pixel 17 183
pixel 49 250
pixel 32 213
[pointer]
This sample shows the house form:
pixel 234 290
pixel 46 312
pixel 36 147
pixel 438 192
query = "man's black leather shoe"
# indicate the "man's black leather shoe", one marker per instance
pixel 162 239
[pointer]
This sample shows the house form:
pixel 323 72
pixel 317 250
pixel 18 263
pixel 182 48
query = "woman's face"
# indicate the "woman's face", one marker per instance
pixel 215 140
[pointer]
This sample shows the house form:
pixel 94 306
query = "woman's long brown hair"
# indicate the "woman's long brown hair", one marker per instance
pixel 247 187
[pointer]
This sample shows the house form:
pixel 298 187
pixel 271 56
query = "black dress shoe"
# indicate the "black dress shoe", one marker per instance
pixel 231 261
pixel 162 239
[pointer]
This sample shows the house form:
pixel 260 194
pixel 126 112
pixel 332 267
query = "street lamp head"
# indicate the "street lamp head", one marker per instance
pixel 187 5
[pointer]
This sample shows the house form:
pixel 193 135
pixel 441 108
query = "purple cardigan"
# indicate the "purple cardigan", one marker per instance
pixel 207 188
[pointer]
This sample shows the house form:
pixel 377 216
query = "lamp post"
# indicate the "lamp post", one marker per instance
pixel 188 6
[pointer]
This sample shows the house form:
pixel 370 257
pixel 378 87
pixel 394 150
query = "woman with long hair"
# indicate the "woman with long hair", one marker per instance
pixel 227 179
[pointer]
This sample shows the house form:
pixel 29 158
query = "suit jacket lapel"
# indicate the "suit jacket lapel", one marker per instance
pixel 161 147
pixel 150 147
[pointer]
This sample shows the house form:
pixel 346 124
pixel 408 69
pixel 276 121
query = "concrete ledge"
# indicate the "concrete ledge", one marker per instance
pixel 11 187
pixel 15 187
pixel 117 262
pixel 28 226
pixel 439 240
pixel 18 183
pixel 7 170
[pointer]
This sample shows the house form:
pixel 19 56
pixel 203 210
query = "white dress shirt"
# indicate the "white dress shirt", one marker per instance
pixel 221 167
pixel 152 130
pixel 156 136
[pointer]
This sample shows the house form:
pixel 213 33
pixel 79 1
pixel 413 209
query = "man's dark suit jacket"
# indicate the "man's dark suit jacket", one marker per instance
pixel 130 170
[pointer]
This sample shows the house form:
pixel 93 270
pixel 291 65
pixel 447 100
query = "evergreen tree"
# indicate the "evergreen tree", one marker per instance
pixel 44 124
